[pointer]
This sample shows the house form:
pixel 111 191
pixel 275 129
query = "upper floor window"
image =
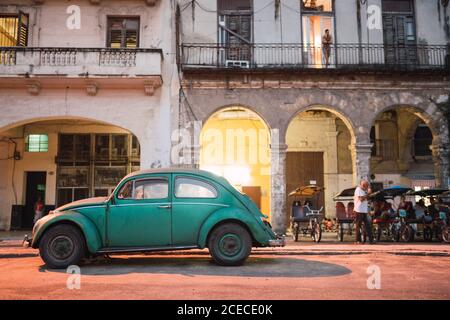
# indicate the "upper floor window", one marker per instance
pixel 14 30
pixel 37 143
pixel 235 31
pixel 317 5
pixel 123 32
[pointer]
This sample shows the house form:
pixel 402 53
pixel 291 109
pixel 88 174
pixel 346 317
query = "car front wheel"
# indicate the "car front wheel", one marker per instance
pixel 62 246
pixel 230 244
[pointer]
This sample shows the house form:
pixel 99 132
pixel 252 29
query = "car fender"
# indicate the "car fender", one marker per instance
pixel 232 213
pixel 87 227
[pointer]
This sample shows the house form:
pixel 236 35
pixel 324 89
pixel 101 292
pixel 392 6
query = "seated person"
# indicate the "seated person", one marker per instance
pixel 139 192
pixel 433 208
pixel 443 208
pixel 407 206
pixel 421 212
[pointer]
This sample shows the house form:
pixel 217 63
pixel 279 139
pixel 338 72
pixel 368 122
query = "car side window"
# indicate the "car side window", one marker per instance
pixel 151 189
pixel 194 188
pixel 127 191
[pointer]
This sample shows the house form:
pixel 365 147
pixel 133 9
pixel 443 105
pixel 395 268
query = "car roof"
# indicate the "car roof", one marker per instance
pixel 173 170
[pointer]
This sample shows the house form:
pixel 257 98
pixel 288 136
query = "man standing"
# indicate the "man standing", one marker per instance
pixel 327 41
pixel 362 210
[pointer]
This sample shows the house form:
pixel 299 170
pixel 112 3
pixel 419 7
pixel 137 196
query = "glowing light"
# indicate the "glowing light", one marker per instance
pixel 236 175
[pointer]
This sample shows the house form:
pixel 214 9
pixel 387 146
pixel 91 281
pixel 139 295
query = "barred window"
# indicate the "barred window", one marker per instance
pixel 37 143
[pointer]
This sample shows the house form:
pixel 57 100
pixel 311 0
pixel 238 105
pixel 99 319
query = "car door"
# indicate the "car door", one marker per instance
pixel 141 213
pixel 194 199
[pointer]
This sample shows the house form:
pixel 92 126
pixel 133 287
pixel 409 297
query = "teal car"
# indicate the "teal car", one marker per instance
pixel 155 210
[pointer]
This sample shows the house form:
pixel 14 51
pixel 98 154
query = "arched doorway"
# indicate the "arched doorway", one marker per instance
pixel 402 138
pixel 235 144
pixel 319 144
pixel 60 160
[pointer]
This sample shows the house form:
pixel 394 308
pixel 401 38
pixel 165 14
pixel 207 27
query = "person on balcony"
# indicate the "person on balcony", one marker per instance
pixel 327 41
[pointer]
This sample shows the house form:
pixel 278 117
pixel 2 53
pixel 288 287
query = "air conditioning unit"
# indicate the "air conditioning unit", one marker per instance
pixel 237 64
pixel 222 20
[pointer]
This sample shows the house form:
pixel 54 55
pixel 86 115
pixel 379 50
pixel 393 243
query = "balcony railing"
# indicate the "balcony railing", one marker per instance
pixel 385 149
pixel 79 61
pixel 306 56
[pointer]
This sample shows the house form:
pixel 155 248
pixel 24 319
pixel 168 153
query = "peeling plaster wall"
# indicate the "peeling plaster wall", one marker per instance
pixel 430 22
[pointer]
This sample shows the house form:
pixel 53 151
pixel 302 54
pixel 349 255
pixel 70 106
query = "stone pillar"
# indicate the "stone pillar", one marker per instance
pixel 278 186
pixel 441 154
pixel 361 154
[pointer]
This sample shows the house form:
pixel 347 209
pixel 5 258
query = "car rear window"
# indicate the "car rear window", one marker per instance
pixel 194 188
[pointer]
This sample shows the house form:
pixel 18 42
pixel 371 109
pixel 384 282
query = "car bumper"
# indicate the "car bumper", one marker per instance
pixel 280 241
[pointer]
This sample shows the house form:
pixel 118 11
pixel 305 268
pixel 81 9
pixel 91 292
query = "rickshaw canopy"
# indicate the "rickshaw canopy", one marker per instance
pixel 306 191
pixel 391 192
pixel 428 192
pixel 345 194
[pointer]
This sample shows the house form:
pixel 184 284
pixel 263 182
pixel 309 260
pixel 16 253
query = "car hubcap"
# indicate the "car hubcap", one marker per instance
pixel 61 247
pixel 230 245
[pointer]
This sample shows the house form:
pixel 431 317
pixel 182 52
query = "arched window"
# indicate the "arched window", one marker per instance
pixel 422 141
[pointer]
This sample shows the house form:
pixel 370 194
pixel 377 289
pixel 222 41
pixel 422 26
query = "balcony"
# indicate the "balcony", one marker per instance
pixel 342 57
pixel 82 63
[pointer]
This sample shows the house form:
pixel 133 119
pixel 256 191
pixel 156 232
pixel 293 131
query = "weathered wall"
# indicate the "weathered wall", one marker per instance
pixel 12 183
pixel 200 24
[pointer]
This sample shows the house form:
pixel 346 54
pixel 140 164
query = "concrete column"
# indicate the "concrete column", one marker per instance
pixel 441 154
pixel 278 186
pixel 361 154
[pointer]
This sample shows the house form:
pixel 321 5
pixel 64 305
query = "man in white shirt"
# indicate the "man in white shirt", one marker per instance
pixel 362 210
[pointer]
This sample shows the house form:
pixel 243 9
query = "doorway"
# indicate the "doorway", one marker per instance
pixel 35 184
pixel 399 32
pixel 302 169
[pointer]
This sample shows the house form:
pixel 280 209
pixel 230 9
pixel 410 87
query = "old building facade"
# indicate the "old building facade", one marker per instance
pixel 256 90
pixel 348 89
pixel 86 97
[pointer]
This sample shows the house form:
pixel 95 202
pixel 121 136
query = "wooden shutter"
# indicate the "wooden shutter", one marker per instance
pixel 22 33
pixel 238 37
pixel 123 33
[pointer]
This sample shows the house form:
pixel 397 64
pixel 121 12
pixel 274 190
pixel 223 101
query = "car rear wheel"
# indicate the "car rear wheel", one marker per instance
pixel 230 244
pixel 62 246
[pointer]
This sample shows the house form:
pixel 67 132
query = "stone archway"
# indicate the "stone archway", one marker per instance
pixel 322 139
pixel 75 157
pixel 428 113
pixel 234 143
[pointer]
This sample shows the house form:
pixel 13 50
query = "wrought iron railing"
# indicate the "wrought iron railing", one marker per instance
pixel 304 56
pixel 385 149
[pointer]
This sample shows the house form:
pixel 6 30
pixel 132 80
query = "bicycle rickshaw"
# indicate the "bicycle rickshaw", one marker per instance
pixel 384 217
pixel 345 216
pixel 427 223
pixel 304 219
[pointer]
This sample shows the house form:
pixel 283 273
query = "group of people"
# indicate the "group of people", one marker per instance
pixel 385 210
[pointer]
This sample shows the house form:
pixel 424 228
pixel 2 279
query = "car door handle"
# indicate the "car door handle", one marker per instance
pixel 167 206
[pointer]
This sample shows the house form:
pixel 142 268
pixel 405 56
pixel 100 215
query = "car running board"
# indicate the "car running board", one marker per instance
pixel 143 249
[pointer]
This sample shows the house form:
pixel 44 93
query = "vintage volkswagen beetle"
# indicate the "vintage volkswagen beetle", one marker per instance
pixel 153 210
